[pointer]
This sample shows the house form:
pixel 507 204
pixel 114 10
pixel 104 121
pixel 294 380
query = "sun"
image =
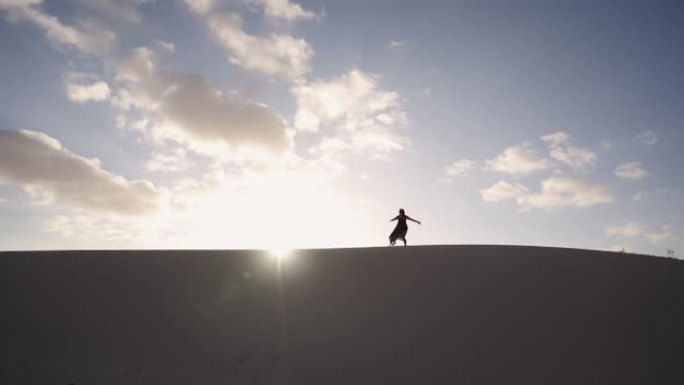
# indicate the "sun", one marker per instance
pixel 280 254
pixel 275 211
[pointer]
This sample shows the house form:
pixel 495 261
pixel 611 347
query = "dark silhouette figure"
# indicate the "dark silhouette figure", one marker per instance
pixel 401 228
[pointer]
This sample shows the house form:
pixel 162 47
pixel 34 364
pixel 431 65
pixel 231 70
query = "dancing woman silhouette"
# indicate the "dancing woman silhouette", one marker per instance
pixel 401 228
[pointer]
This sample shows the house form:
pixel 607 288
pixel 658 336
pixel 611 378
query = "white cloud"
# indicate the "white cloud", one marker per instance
pixel 648 138
pixel 631 170
pixel 187 109
pixel 96 92
pixel 284 10
pixel 396 44
pixel 201 7
pixel 461 167
pixel 637 230
pixel 48 173
pixel 353 100
pixel 88 36
pixel 356 110
pixel 19 3
pixel 558 192
pixel 662 234
pixel 648 194
pixel 503 191
pixel 82 88
pixel 172 161
pixel 563 151
pixel 518 160
pixel 379 141
pixel 165 46
pixel 629 230
pixel 274 55
pixel 329 146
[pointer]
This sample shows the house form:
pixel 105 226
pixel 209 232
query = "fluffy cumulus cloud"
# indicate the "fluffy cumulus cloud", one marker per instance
pixel 96 92
pixel 637 230
pixel 648 138
pixel 559 192
pixel 48 173
pixel 186 108
pixel 274 55
pixel 354 107
pixel 83 88
pixel 560 148
pixel 502 190
pixel 278 55
pixel 284 10
pixel 518 160
pixel 631 170
pixel 461 167
pixel 86 36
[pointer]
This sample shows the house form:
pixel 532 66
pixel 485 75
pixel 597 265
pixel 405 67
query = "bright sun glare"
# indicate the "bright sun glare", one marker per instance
pixel 278 211
pixel 280 254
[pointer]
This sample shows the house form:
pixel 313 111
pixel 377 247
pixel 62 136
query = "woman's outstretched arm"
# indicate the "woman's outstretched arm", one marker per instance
pixel 394 219
pixel 411 219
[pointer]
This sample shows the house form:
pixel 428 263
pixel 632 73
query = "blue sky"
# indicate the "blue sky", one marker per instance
pixel 279 124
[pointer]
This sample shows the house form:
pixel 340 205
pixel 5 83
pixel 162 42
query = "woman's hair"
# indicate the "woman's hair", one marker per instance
pixel 401 211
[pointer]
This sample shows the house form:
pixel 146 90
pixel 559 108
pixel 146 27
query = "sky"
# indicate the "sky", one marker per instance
pixel 280 124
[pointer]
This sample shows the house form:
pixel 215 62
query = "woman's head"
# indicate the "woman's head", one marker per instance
pixel 401 211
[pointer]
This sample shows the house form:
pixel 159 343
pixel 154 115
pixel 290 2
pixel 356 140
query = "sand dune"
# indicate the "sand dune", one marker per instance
pixel 417 315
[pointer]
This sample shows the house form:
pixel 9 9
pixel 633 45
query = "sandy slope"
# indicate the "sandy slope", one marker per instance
pixel 416 315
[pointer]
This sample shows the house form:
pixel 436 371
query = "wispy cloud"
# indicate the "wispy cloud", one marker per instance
pixel 648 138
pixel 396 44
pixel 559 192
pixel 502 191
pixel 631 170
pixel 578 158
pixel 277 54
pixel 518 160
pixel 87 36
pixel 461 167
pixel 637 230
pixel 284 10
pixel 649 194
pixel 170 161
